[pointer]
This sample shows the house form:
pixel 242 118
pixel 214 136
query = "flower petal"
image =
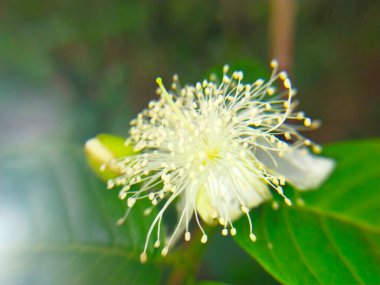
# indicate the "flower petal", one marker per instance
pixel 302 169
pixel 221 199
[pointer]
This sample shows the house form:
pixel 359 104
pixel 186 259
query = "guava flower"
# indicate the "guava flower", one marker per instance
pixel 216 150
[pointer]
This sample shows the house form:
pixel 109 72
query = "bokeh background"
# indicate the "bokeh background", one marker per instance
pixel 72 69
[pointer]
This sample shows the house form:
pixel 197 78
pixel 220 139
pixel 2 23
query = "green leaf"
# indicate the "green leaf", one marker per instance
pixel 334 237
pixel 209 282
pixel 58 225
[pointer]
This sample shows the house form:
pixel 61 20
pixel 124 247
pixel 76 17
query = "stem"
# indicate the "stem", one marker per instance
pixel 187 260
pixel 281 29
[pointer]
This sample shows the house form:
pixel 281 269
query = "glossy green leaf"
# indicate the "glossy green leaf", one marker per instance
pixel 58 225
pixel 333 235
pixel 209 282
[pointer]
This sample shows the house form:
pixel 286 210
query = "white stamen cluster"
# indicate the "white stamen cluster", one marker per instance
pixel 196 146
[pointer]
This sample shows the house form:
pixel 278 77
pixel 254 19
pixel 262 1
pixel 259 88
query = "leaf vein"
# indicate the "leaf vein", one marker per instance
pixel 89 268
pixel 340 218
pixel 297 246
pixel 327 233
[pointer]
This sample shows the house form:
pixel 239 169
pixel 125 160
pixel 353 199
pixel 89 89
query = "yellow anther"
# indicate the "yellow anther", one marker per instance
pixel 307 122
pixel 225 68
pixel 143 257
pixel 274 64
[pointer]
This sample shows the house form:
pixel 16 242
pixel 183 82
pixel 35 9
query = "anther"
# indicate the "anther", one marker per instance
pixel 226 79
pixel 274 64
pixel 316 149
pixel 288 202
pixel 300 115
pixel 258 82
pixel 110 184
pixel 300 202
pixel 225 68
pixel 307 122
pixel 283 75
pixel 147 211
pixel 271 91
pixel 130 202
pixel 122 195
pixel 164 251
pixel 275 205
pixel 143 257
pixel 287 83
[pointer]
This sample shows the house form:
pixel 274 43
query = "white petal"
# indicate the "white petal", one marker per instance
pixel 299 167
pixel 204 207
pixel 224 196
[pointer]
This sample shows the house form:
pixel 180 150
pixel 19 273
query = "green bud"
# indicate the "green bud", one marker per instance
pixel 101 150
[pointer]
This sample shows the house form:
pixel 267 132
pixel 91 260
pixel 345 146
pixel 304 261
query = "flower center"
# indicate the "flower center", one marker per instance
pixel 212 154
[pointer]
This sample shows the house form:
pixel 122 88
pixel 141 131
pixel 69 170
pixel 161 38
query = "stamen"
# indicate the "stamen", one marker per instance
pixel 167 97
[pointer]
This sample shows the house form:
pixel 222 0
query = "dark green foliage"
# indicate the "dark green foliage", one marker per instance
pixel 59 225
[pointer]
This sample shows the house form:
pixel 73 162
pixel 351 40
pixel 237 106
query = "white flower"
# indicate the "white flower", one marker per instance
pixel 215 150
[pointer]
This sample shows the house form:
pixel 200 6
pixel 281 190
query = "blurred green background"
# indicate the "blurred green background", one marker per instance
pixel 72 69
